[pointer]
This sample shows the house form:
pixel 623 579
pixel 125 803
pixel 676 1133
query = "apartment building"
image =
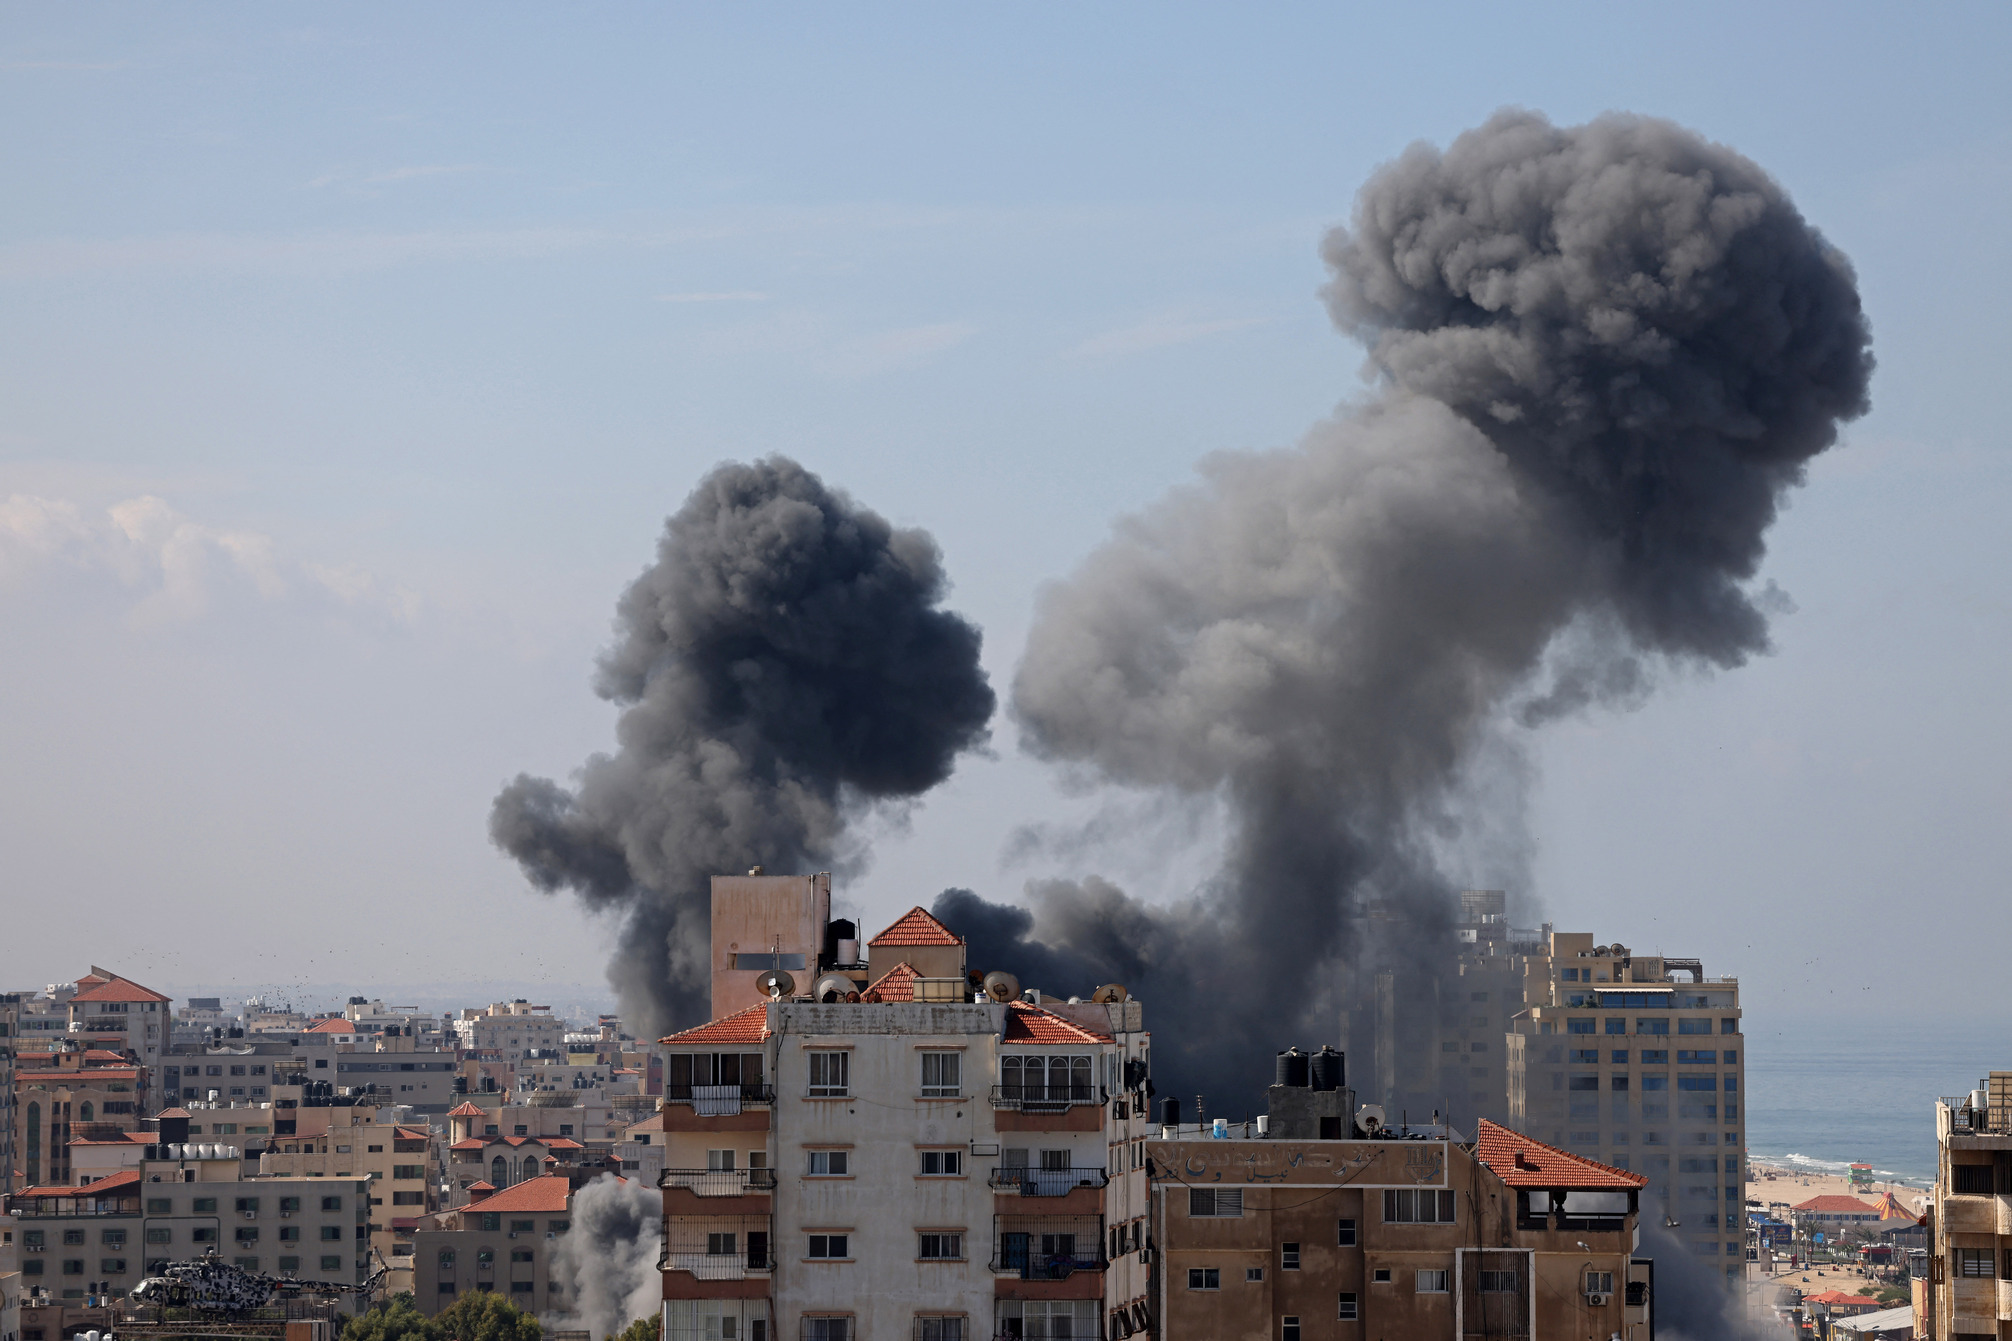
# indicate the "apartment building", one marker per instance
pixel 67 1092
pixel 502 1242
pixel 511 1031
pixel 397 1158
pixel 1420 1237
pixel 1967 1291
pixel 117 1014
pixel 227 1070
pixel 492 1149
pixel 10 1018
pixel 896 1153
pixel 185 1202
pixel 1618 1057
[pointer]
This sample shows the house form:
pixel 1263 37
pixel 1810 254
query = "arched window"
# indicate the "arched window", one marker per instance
pixel 499 1171
pixel 529 1169
pixel 86 1112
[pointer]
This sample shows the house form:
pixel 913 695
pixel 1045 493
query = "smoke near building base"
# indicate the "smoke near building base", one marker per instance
pixel 1601 357
pixel 783 667
pixel 606 1262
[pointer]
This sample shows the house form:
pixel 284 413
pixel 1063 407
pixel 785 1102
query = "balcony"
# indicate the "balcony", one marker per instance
pixel 1044 1098
pixel 719 1182
pixel 1035 1248
pixel 1047 1182
pixel 718 1247
pixel 730 1098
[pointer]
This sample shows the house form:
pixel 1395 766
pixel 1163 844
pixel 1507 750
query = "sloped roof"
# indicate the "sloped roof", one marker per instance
pixel 482 1185
pixel 115 988
pixel 113 1183
pixel 464 1109
pixel 1885 1320
pixel 916 927
pixel 897 984
pixel 1836 1205
pixel 468 1143
pixel 1028 1023
pixel 548 1192
pixel 1522 1161
pixel 172 1113
pixel 410 1134
pixel 1834 1298
pixel 743 1026
pixel 334 1026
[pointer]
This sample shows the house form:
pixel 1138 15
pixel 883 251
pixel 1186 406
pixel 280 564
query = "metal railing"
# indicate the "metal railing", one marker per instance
pixel 750 1094
pixel 1037 1248
pixel 1047 1182
pixel 1044 1098
pixel 719 1182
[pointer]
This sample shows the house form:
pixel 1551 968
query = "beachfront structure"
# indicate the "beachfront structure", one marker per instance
pixel 1424 1236
pixel 1637 1060
pixel 1831 1216
pixel 920 1160
pixel 1967 1290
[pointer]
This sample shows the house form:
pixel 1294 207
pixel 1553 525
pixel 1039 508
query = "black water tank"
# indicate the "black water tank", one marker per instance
pixel 1170 1112
pixel 1327 1068
pixel 1290 1069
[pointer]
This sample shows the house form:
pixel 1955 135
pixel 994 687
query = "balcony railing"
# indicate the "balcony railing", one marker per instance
pixel 749 1094
pixel 1044 1098
pixel 717 1247
pixel 1035 1248
pixel 719 1182
pixel 1047 1182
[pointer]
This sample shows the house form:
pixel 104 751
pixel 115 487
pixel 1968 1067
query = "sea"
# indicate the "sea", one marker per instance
pixel 1827 1092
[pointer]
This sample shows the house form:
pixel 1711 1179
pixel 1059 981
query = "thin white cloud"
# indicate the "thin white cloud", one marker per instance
pixel 173 567
pixel 724 296
pixel 1158 333
pixel 890 351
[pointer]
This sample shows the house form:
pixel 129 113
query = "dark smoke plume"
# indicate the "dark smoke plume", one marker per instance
pixel 1603 354
pixel 784 664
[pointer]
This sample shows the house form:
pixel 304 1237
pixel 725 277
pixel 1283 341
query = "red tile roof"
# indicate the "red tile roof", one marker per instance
pixel 116 989
pixel 916 927
pixel 172 1113
pixel 1836 1205
pixel 464 1109
pixel 545 1193
pixel 468 1143
pixel 1027 1023
pixel 743 1026
pixel 1520 1161
pixel 1839 1298
pixel 336 1026
pixel 482 1185
pixel 111 1184
pixel 897 984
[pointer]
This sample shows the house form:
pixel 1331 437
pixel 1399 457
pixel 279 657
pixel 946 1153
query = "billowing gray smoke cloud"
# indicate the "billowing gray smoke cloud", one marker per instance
pixel 782 665
pixel 606 1265
pixel 1603 354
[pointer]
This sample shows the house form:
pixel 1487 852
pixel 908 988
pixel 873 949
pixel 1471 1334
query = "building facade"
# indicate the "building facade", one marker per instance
pixel 1618 1057
pixel 502 1243
pixel 1967 1291
pixel 1307 1240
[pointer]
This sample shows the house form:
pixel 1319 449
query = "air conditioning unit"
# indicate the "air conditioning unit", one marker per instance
pixel 251 1215
pixel 1598 1300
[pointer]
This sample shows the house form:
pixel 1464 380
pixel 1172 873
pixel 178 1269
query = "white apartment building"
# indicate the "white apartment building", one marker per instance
pixel 510 1031
pixel 918 1162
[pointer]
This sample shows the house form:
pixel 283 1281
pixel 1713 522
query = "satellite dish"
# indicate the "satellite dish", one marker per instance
pixel 833 987
pixel 1001 986
pixel 775 984
pixel 1110 994
pixel 1369 1117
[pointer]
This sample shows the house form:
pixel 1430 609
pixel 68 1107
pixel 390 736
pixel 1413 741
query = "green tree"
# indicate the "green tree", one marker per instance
pixel 395 1319
pixel 484 1315
pixel 642 1329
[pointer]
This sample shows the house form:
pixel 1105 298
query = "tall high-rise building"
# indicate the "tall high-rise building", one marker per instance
pixel 1638 1061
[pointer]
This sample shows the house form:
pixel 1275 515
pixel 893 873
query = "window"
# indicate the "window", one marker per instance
pixel 1380 1276
pixel 1345 1233
pixel 1052 1079
pixel 942 1163
pixel 112 1266
pixel 331 1203
pixel 1697 1083
pixel 1568 975
pixel 205 1206
pixel 289 1264
pixel 1655 1057
pixel 1729 1026
pixel 1345 1308
pixel 247 1234
pixel 940 1074
pixel 1583 1083
pixel 113 1238
pixel 725 1244
pixel 1694 1026
pixel 719 1161
pixel 829 1074
pixel 160 1206
pixel 1617 1024
pixel 828 1163
pixel 824 1329
pixel 1205 1278
pixel 1697 1057
pixel 491 1221
pixel 1652 1026
pixel 1599 1282
pixel 1288 1257
pixel 938 1247
pixel 939 1329
pixel 1288 1329
pixel 1055 1161
pixel 1971 1179
pixel 1432 1281
pixel 447 1258
pixel 1501 1282
pixel 1417 1206
pixel 1584 1057
pixel 1204 1202
pixel 826 1247
pixel 1655 1082
pixel 331 1233
pixel 526 1255
pixel 289 1205
pixel 1579 1026
pixel 73 1237
pixel 522 1286
pixel 160 1234
pixel 1253 1274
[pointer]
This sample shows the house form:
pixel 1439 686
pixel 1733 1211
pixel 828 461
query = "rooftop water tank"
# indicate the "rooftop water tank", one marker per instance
pixel 1290 1069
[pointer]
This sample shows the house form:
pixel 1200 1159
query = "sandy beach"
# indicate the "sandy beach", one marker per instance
pixel 1774 1182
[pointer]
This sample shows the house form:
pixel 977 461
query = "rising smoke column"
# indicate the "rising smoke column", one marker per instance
pixel 607 1261
pixel 783 665
pixel 1602 354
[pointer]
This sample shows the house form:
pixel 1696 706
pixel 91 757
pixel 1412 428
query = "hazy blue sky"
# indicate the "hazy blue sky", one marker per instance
pixel 351 358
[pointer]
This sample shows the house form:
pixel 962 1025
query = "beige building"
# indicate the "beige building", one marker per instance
pixel 511 1031
pixel 913 1162
pixel 501 1243
pixel 1638 1061
pixel 1306 1240
pixel 1968 1289
pixel 397 1158
pixel 10 1017
pixel 762 922
pixel 66 1093
pixel 492 1149
pixel 119 1015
